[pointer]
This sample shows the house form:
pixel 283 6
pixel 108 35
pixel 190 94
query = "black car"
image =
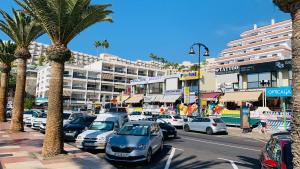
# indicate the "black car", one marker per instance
pixel 77 126
pixel 167 129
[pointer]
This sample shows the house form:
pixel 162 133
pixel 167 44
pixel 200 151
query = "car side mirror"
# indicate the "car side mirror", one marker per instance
pixel 270 163
pixel 86 128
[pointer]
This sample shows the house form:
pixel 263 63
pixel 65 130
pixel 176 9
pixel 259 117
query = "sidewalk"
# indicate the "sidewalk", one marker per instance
pixel 21 151
pixel 255 134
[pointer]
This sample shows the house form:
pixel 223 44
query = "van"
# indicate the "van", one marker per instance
pixel 97 134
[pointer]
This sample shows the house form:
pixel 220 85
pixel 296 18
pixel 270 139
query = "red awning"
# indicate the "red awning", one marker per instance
pixel 210 96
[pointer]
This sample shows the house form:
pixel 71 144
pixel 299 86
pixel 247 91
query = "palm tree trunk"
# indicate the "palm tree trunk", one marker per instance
pixel 296 89
pixel 53 142
pixel 3 95
pixel 17 124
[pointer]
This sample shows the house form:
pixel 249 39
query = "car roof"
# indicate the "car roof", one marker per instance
pixel 141 122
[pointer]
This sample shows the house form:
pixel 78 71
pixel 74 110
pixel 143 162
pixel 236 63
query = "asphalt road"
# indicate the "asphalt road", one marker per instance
pixel 195 150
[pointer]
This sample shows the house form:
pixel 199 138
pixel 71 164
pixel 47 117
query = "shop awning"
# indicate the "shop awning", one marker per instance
pixel 170 98
pixel 210 96
pixel 158 98
pixel 241 96
pixel 135 99
pixel 149 99
pixel 67 93
pixel 107 76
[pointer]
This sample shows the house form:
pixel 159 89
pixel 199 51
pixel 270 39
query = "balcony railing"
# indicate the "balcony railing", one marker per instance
pixel 107 69
pixel 79 76
pixel 94 78
pixel 120 71
pixel 107 90
pixel 92 88
pixel 108 80
pixel 120 81
pixel 67 87
pixel 77 99
pixel 79 87
pixel 132 73
pixel 142 74
pixel 67 75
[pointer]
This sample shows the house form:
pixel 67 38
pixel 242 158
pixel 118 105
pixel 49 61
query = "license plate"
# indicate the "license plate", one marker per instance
pixel 121 154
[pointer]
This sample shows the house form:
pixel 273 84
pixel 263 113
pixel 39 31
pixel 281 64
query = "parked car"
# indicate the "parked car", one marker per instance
pixel 277 153
pixel 37 119
pixel 27 115
pixel 139 115
pixel 77 126
pixel 136 141
pixel 167 129
pixel 100 130
pixel 175 121
pixel 66 119
pixel 8 112
pixel 210 125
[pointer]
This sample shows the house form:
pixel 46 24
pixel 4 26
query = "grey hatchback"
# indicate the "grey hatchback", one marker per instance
pixel 136 141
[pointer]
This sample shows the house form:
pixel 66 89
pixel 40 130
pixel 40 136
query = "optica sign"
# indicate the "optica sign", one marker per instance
pixel 279 92
pixel 190 75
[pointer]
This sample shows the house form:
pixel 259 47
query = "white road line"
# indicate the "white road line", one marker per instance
pixel 231 162
pixel 220 144
pixel 170 158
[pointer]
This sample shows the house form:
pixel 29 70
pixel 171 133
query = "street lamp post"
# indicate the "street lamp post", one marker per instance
pixel 206 54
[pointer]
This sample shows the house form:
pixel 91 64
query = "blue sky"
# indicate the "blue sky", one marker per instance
pixel 169 27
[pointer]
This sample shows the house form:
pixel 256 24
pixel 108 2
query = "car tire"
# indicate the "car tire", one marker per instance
pixel 149 156
pixel 186 128
pixel 209 131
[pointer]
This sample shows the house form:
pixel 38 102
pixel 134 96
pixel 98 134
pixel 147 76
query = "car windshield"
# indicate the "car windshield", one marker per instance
pixel 147 113
pixel 136 113
pixel 134 129
pixel 177 117
pixel 66 116
pixel 102 125
pixel 218 120
pixel 77 120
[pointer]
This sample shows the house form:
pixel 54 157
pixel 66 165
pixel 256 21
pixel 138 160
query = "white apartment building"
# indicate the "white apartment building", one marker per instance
pixel 259 45
pixel 98 82
pixel 37 49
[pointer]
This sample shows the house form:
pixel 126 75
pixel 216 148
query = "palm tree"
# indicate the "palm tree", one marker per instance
pixel 22 29
pixel 153 57
pixel 7 50
pixel 293 7
pixel 97 44
pixel 62 20
pixel 105 44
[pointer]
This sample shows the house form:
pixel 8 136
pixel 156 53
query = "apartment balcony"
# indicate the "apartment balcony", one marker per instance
pixel 142 74
pixel 93 78
pixel 107 69
pixel 67 75
pixel 77 99
pixel 108 80
pixel 79 76
pixel 93 99
pixel 92 88
pixel 131 73
pixel 79 88
pixel 120 71
pixel 106 90
pixel 119 81
pixel 67 87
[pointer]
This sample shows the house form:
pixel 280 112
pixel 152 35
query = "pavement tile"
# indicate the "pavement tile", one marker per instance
pixel 16 159
pixel 25 165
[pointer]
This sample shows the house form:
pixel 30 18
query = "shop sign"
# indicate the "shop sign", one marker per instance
pixel 279 91
pixel 190 75
pixel 138 81
pixel 147 80
pixel 173 92
pixel 156 79
pixel 227 70
pixel 186 94
pixel 267 67
pixel 41 99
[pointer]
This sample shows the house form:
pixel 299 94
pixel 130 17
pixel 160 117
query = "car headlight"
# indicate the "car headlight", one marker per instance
pixel 101 138
pixel 79 138
pixel 141 147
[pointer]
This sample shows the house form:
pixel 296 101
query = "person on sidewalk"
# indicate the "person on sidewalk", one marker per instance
pixel 263 122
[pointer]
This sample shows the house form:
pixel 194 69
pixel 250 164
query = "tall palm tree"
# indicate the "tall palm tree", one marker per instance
pixel 105 44
pixel 7 50
pixel 293 7
pixel 22 29
pixel 97 44
pixel 62 20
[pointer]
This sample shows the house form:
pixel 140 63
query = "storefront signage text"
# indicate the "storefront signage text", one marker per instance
pixel 227 70
pixel 279 92
pixel 266 67
pixel 191 75
pixel 173 92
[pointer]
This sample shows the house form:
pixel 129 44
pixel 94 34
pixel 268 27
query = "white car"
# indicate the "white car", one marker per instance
pixel 175 121
pixel 99 131
pixel 66 119
pixel 37 120
pixel 27 116
pixel 210 125
pixel 137 115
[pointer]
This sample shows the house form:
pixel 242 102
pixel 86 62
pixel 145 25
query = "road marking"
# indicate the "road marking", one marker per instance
pixel 170 158
pixel 231 162
pixel 220 144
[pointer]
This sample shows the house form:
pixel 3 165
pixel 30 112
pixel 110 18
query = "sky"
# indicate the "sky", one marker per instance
pixel 168 28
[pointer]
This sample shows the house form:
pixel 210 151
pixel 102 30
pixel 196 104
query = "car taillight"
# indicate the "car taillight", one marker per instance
pixel 215 124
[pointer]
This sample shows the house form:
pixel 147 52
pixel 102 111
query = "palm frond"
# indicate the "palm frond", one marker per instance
pixel 7 50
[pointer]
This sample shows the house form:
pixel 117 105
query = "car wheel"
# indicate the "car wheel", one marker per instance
pixel 186 128
pixel 149 156
pixel 209 131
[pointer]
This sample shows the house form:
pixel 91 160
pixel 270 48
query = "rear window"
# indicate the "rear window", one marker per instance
pixel 218 121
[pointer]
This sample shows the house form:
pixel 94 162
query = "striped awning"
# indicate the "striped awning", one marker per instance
pixel 159 98
pixel 149 99
pixel 246 96
pixel 170 98
pixel 107 76
pixel 135 99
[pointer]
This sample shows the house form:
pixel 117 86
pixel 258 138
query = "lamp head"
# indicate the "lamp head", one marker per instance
pixel 206 54
pixel 192 51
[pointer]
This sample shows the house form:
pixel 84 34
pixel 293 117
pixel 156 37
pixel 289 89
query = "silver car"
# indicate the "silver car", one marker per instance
pixel 136 141
pixel 210 125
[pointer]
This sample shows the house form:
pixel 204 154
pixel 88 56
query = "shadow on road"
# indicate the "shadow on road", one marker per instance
pixel 249 162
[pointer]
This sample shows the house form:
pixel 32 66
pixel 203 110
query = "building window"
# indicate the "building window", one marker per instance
pixel 156 88
pixel 252 81
pixel 264 79
pixel 290 77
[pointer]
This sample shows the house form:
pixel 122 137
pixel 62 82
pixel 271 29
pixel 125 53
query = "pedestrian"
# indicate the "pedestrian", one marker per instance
pixel 263 122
